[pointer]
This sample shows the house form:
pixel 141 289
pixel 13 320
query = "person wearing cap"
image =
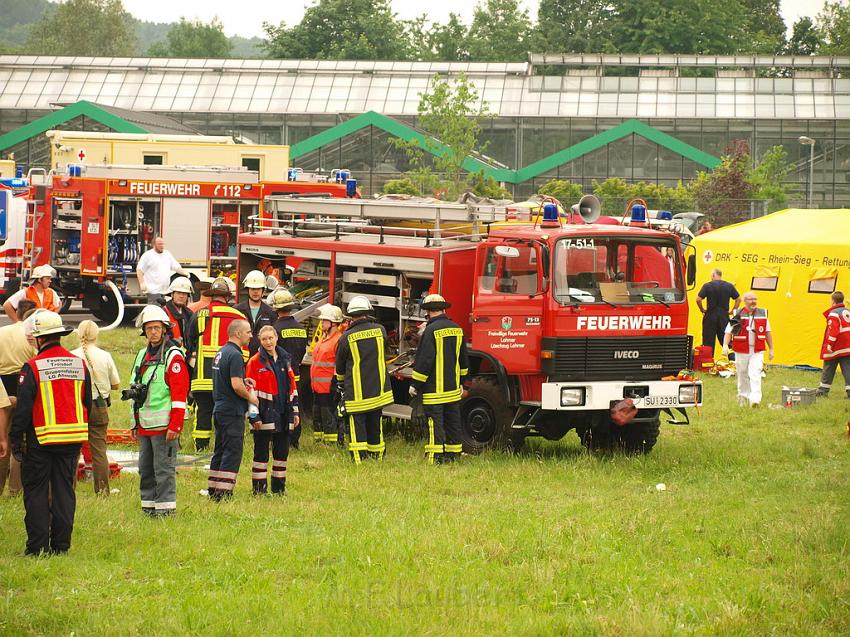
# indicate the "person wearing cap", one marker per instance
pixel 293 338
pixel 154 271
pixel 158 411
pixel 207 334
pixel 361 375
pixel 177 309
pixel 322 376
pixel 48 428
pixel 440 365
pixel 258 313
pixel 39 292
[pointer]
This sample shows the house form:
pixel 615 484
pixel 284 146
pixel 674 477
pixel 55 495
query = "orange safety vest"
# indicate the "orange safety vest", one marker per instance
pixel 741 342
pixel 213 322
pixel 48 302
pixel 323 367
pixel 59 416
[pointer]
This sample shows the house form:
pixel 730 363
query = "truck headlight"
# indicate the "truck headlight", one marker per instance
pixel 690 394
pixel 572 396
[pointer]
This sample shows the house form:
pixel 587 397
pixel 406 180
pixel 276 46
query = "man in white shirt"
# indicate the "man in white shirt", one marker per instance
pixel 154 271
pixel 749 335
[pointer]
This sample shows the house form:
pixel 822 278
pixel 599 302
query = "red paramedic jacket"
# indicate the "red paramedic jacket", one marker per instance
pixel 837 333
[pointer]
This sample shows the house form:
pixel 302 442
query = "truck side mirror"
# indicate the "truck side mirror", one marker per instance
pixel 692 270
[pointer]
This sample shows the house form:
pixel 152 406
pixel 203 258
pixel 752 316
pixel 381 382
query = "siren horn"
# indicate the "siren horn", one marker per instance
pixel 588 208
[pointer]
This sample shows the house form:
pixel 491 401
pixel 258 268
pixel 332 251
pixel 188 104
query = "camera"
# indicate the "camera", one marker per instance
pixel 137 392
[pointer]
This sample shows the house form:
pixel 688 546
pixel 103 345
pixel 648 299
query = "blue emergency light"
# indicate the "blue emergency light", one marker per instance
pixel 350 188
pixel 638 213
pixel 550 214
pixel 665 215
pixel 342 176
pixel 14 182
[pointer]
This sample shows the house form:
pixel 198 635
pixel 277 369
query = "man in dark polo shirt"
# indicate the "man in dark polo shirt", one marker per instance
pixel 717 293
pixel 231 396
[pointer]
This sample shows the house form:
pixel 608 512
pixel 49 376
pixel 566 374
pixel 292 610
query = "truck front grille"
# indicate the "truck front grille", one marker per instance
pixel 611 358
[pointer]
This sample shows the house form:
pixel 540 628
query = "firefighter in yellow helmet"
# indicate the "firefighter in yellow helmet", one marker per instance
pixel 361 374
pixel 207 334
pixel 441 362
pixel 293 338
pixel 48 428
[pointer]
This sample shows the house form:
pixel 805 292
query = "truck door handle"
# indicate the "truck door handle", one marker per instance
pixel 479 319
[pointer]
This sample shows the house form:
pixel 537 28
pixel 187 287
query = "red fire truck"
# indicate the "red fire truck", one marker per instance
pixel 563 320
pixel 93 227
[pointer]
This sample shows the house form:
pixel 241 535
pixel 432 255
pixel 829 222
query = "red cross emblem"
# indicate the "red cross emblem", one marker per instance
pixel 707 256
pixel 81 154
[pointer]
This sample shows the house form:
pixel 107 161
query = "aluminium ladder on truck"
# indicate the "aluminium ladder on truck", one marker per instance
pixel 458 215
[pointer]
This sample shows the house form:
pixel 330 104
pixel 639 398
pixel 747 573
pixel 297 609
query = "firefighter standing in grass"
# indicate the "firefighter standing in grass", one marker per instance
pixel 749 344
pixel 274 383
pixel 255 309
pixel 48 428
pixel 178 311
pixel 835 350
pixel 322 372
pixel 293 338
pixel 161 369
pixel 207 334
pixel 361 374
pixel 441 362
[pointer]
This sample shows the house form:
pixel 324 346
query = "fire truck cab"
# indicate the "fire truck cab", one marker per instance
pixel 563 321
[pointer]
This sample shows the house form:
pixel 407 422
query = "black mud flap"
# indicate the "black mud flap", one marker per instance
pixel 673 419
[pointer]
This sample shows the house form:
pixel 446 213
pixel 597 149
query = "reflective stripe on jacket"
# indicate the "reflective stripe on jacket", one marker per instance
pixel 441 362
pixel 324 362
pixel 837 333
pixel 212 324
pixel 155 414
pixel 293 338
pixel 59 414
pixel 741 341
pixel 362 369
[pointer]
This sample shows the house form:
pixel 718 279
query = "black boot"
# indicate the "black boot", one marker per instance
pixel 260 487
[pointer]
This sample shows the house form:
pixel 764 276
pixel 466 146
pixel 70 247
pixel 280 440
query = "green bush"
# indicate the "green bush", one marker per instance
pixel 401 187
pixel 564 191
pixel 485 186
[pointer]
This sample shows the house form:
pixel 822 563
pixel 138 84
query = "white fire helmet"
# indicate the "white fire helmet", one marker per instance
pixel 254 279
pixel 151 313
pixel 47 322
pixel 181 284
pixel 359 305
pixel 331 313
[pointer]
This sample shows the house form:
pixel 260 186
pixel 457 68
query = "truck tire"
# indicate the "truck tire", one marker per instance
pixel 100 301
pixel 638 437
pixel 485 417
pixel 66 304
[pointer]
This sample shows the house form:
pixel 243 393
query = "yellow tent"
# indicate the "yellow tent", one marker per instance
pixel 793 260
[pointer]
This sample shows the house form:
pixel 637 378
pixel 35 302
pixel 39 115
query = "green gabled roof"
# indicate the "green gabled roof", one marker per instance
pixel 52 120
pixel 472 164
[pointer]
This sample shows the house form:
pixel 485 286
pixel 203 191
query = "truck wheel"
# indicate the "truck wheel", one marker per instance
pixel 485 416
pixel 100 301
pixel 638 437
pixel 66 304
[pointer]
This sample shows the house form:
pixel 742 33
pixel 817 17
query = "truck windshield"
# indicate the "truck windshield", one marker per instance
pixel 617 270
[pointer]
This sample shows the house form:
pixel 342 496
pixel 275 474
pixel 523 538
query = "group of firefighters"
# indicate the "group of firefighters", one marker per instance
pixel 228 362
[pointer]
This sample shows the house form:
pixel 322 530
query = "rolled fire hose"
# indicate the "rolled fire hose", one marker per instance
pixel 120 316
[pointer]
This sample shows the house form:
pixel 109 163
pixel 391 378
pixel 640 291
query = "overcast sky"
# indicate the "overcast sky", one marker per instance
pixel 245 17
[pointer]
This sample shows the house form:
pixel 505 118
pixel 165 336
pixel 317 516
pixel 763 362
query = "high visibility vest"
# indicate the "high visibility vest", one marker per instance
pixel 213 322
pixel 741 341
pixel 154 415
pixel 324 362
pixel 59 416
pixel 48 300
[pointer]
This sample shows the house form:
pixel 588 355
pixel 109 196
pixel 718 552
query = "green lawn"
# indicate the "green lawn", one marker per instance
pixel 750 537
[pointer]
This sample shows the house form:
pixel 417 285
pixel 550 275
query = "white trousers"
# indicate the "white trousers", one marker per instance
pixel 748 369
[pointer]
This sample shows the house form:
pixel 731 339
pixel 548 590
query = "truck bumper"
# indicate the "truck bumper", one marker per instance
pixel 655 394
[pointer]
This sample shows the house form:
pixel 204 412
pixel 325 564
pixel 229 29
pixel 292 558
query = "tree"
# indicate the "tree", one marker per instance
pixel 679 26
pixel 84 27
pixel 341 30
pixel 805 38
pixel 401 186
pixel 193 39
pixel 833 23
pixel 574 26
pixel 765 27
pixel 722 194
pixel 563 190
pixel 499 32
pixel 437 42
pixel 450 117
pixel 614 193
pixel 768 178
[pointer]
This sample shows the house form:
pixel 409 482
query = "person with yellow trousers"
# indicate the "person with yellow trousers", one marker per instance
pixel 49 426
pixel 361 374
pixel 322 376
pixel 440 365
pixel 207 334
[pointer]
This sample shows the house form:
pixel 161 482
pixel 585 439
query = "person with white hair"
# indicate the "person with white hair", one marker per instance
pixel 104 377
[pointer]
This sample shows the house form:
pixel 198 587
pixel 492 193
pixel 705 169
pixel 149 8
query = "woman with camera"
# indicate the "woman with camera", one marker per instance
pixel 274 381
pixel 160 384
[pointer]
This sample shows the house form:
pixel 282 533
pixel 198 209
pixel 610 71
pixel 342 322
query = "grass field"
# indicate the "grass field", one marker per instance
pixel 749 537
